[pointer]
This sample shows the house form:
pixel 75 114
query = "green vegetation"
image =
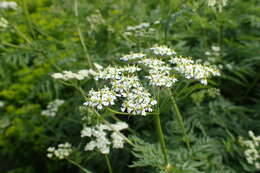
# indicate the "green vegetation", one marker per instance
pixel 193 127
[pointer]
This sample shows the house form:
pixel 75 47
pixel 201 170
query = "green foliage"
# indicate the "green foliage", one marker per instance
pixel 43 37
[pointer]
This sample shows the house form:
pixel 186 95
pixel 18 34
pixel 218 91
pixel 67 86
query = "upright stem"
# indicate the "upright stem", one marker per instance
pixel 180 121
pixel 81 35
pixel 108 164
pixel 161 138
pixel 78 165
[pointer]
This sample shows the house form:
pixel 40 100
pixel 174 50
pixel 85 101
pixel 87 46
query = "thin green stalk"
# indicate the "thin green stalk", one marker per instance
pixel 161 138
pixel 116 131
pixel 108 164
pixel 129 129
pixel 81 35
pixel 180 121
pixel 78 165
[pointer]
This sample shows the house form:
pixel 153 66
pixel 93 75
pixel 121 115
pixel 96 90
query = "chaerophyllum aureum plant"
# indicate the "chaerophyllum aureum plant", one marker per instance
pixel 132 89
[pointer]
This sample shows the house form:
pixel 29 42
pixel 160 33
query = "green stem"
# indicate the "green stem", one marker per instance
pixel 161 138
pixel 81 35
pixel 129 129
pixel 108 164
pixel 116 131
pixel 180 121
pixel 78 165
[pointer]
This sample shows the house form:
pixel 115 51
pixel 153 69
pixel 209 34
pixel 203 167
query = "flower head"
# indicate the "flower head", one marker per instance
pixel 63 151
pixel 100 136
pixel 162 51
pixel 101 98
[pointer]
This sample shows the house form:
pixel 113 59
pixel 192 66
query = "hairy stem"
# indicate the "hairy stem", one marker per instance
pixel 180 121
pixel 161 138
pixel 108 164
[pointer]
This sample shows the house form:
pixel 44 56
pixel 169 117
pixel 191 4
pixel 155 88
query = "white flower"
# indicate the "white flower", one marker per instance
pixel 133 56
pixel 63 151
pixel 151 63
pixel 97 66
pixel 100 139
pixel 86 131
pixel 3 22
pixel 138 101
pixel 101 98
pixel 197 71
pixel 162 50
pixel 181 60
pixel 123 85
pixel 109 73
pixel 252 151
pixel 115 72
pixel 52 108
pixel 68 75
pixel 215 48
pixel 8 5
pixel 217 4
pixel 161 80
pixel 141 30
pixel 117 140
pixel 2 104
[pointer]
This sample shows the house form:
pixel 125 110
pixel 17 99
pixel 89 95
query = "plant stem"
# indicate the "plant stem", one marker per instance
pixel 161 138
pixel 108 164
pixel 81 35
pixel 116 131
pixel 78 165
pixel 180 121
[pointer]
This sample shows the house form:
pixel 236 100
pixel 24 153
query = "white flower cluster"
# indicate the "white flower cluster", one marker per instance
pixel 68 75
pixel 124 85
pixel 101 98
pixel 52 108
pixel 115 72
pixel 151 62
pixel 159 73
pixel 3 22
pixel 133 56
pixel 63 151
pixel 141 30
pixel 2 104
pixel 127 88
pixel 181 60
pixel 8 5
pixel 217 4
pixel 138 102
pixel 192 70
pixel 252 152
pixel 162 51
pixel 161 80
pixel 101 140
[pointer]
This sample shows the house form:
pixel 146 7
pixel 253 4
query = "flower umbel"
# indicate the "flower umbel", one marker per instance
pixel 63 151
pixel 100 139
pixel 101 98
